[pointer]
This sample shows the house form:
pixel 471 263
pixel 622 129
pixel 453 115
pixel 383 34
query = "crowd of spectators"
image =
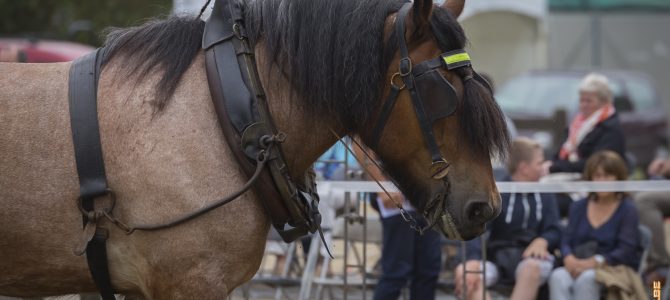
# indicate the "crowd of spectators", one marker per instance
pixel 598 249
pixel 592 250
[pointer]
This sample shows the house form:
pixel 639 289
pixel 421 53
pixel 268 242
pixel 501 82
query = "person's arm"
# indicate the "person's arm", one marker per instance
pixel 561 165
pixel 610 139
pixel 395 199
pixel 550 229
pixel 627 239
pixel 568 234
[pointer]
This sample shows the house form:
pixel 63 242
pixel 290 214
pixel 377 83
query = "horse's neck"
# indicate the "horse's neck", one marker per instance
pixel 307 136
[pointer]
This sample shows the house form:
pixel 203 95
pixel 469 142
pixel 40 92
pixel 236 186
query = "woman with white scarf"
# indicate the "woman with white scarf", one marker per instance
pixel 596 127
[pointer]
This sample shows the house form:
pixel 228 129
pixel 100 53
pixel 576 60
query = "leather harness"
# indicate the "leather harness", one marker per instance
pixel 242 110
pixel 83 88
pixel 240 101
pixel 245 120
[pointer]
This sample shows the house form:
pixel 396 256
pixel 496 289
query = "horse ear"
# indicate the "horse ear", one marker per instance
pixel 454 6
pixel 421 13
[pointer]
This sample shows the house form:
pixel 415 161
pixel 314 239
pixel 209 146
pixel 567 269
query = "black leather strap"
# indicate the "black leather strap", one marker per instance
pixel 85 129
pixel 408 79
pixel 239 101
pixel 384 116
pixel 83 86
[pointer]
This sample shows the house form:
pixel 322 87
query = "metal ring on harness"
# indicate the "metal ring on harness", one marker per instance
pixel 108 210
pixel 393 84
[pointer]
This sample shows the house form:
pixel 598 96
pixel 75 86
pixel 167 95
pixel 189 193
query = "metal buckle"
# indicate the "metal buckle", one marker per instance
pixel 237 31
pixel 405 66
pixel 92 214
pixel 439 169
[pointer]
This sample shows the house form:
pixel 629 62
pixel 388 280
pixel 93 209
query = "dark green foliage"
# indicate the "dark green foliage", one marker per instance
pixel 75 20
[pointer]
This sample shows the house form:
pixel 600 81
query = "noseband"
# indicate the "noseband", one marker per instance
pixel 433 97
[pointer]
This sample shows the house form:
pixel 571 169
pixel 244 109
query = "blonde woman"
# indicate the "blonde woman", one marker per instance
pixel 596 127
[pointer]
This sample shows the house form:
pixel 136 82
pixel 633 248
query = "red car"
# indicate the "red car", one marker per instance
pixel 40 51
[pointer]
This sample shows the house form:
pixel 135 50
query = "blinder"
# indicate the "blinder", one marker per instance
pixel 433 96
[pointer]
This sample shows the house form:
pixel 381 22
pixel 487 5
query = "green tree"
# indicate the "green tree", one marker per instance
pixel 75 20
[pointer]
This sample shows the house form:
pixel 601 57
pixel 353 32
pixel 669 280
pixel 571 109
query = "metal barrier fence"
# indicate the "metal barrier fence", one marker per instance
pixel 349 188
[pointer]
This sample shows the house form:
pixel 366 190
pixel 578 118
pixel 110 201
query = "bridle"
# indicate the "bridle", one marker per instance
pixel 433 98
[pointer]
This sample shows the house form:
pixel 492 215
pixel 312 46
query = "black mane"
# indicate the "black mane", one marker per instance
pixel 332 51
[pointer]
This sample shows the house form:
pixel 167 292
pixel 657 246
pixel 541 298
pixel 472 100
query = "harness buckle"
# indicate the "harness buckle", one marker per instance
pixel 405 66
pixel 237 31
pixel 439 169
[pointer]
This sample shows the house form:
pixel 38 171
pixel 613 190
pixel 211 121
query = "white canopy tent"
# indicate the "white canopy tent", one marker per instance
pixel 190 7
pixel 506 37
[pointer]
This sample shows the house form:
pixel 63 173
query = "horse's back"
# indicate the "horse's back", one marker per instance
pixel 160 164
pixel 38 181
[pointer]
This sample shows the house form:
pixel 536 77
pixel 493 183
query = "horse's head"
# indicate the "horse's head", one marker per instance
pixel 437 124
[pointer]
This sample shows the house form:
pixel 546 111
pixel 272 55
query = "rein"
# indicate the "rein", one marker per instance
pixel 261 160
pixel 407 217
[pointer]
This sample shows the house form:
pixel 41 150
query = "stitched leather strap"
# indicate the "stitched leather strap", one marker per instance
pixel 83 86
pixel 408 79
pixel 85 129
pixel 239 101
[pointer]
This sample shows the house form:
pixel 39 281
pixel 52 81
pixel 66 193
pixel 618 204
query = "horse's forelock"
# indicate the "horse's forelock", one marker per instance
pixel 482 122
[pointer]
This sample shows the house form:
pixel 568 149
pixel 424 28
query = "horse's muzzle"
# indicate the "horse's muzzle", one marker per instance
pixel 471 223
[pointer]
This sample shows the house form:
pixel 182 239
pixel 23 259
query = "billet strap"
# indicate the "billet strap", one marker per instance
pixel 83 86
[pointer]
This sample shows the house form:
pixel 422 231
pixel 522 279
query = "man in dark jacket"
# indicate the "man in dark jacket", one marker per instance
pixel 596 127
pixel 521 238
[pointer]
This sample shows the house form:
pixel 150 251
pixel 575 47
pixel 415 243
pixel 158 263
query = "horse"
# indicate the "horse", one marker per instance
pixel 326 67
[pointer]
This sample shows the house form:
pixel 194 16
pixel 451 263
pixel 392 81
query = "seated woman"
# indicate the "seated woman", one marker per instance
pixel 596 127
pixel 602 230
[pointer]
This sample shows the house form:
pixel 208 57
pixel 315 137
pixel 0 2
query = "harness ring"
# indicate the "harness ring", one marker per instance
pixel 393 84
pixel 107 210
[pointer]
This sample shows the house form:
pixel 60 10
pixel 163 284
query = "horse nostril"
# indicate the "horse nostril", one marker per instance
pixel 479 212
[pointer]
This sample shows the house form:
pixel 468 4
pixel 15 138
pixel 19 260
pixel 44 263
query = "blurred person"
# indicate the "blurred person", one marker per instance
pixel 653 208
pixel 596 127
pixel 521 238
pixel 602 232
pixel 407 258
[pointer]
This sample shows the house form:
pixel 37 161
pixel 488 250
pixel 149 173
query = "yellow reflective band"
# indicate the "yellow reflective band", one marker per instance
pixel 452 59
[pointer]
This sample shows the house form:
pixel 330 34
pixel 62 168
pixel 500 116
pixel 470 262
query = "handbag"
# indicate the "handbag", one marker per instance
pixel 586 249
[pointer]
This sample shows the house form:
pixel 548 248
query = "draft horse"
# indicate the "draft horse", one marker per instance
pixel 323 64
